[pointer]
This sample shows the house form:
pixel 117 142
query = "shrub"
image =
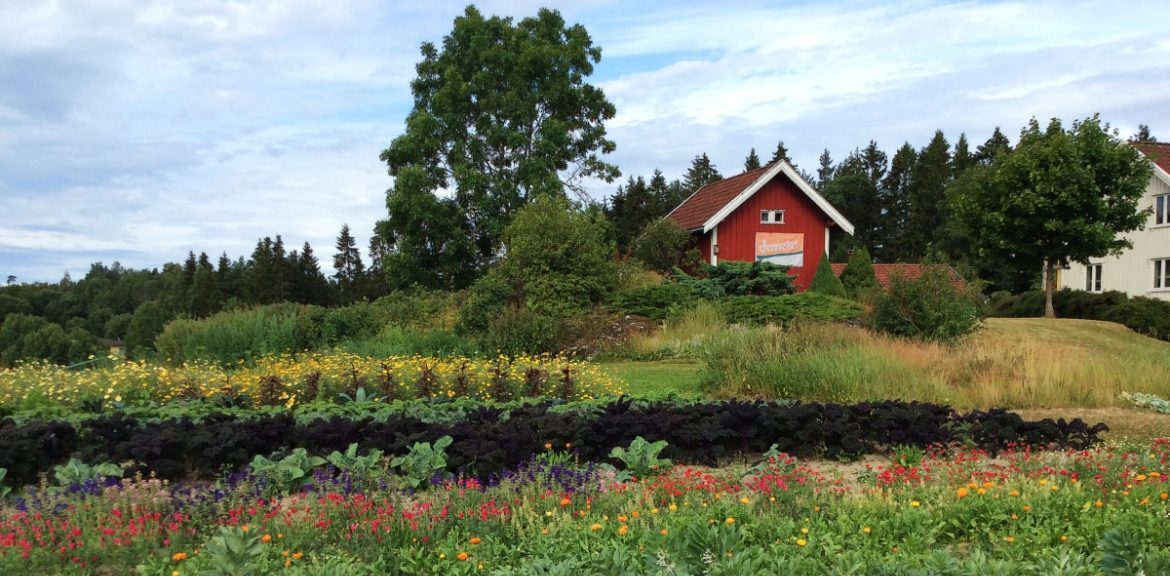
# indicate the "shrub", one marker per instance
pixel 732 278
pixel 825 282
pixel 1144 315
pixel 486 299
pixel 928 308
pixel 858 277
pixel 662 246
pixel 519 330
pixel 658 302
pixel 761 310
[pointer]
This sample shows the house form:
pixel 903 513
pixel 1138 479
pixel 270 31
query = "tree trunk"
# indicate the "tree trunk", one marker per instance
pixel 1049 286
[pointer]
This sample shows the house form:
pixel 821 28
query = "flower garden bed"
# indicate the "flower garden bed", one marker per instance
pixel 950 511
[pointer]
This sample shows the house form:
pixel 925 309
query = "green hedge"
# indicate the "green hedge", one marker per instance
pixel 811 306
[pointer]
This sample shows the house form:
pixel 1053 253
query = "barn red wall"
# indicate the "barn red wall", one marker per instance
pixel 737 233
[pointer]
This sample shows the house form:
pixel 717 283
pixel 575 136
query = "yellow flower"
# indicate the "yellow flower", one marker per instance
pixel 801 542
pixel 729 521
pixel 623 530
pixel 866 530
pixel 961 492
pixel 915 504
pixel 595 526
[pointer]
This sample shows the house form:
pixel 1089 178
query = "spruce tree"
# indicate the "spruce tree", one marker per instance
pixel 825 282
pixel 348 266
pixel 752 161
pixel 701 173
pixel 825 169
pixel 895 204
pixel 781 153
pixel 858 277
pixel 927 194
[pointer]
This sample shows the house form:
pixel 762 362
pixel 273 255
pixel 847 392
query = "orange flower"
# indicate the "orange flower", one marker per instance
pixel 179 556
pixel 962 492
pixel 266 538
pixel 595 527
pixel 565 502
pixel 475 540
pixel 664 532
pixel 298 555
pixel 462 556
pixel 623 530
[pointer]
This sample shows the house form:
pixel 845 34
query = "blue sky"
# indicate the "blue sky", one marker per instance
pixel 135 131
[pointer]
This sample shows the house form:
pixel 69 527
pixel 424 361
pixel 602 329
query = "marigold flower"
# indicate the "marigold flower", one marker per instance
pixel 623 530
pixel 475 540
pixel 866 530
pixel 801 542
pixel 565 502
pixel 962 492
pixel 915 504
pixel 462 556
pixel 266 538
pixel 595 526
pixel 179 556
pixel 664 532
pixel 729 521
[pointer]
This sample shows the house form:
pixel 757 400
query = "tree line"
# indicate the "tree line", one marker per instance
pixel 67 321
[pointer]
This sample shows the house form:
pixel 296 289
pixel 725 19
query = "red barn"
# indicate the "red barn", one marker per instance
pixel 769 214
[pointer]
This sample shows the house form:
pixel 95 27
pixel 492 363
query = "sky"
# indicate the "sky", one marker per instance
pixel 136 131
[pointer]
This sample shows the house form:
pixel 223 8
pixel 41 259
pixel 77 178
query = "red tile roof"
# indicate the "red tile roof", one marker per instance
pixel 907 271
pixel 1158 152
pixel 702 205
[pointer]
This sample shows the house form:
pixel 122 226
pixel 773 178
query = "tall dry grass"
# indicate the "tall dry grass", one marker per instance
pixel 1019 363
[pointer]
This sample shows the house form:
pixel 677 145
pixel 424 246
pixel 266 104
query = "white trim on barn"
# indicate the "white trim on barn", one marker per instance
pixel 767 176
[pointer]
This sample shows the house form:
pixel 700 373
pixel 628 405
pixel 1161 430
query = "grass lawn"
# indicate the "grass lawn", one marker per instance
pixel 658 378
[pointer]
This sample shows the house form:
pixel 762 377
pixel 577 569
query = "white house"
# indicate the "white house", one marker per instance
pixel 1145 269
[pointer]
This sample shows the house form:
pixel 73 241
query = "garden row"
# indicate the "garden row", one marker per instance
pixel 489 438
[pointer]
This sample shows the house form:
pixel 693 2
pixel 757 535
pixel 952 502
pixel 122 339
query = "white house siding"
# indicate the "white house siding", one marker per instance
pixel 1133 271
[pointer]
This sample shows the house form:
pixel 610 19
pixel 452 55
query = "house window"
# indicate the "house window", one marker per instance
pixel 1162 209
pixel 771 216
pixel 1093 278
pixel 1162 274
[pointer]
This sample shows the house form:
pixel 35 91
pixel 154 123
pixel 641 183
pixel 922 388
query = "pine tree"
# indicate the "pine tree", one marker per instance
pixel 751 162
pixel 347 262
pixel 701 173
pixel 310 284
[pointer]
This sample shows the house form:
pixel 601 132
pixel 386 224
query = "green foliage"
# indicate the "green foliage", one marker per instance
pixel 779 310
pixel 497 140
pixel 908 456
pixel 423 462
pixel 288 473
pixel 1144 315
pixel 928 308
pixel 858 277
pixel 244 334
pixel 24 337
pixel 732 278
pixel 1150 401
pixel 519 330
pixel 361 469
pixel 641 459
pixel 663 245
pixel 1061 196
pixel 659 302
pixel 825 281
pixel 76 472
pixel 233 552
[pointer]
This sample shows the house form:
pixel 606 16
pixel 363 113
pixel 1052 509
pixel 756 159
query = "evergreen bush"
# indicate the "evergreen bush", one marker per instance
pixel 825 282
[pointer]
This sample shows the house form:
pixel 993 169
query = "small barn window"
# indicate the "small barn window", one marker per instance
pixel 1162 209
pixel 771 216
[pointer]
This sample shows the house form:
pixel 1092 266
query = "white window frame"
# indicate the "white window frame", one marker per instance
pixel 1093 278
pixel 1161 274
pixel 1162 210
pixel 771 216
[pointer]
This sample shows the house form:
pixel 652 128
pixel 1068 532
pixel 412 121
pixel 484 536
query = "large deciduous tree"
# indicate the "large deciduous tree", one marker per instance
pixel 1061 196
pixel 502 115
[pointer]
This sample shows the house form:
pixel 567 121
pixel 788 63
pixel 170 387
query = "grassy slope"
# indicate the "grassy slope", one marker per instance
pixel 1051 368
